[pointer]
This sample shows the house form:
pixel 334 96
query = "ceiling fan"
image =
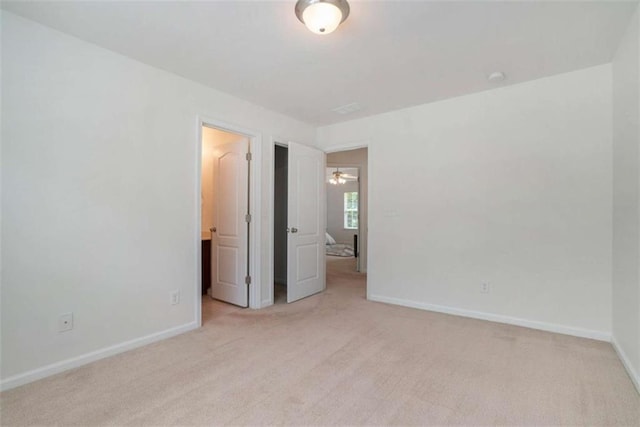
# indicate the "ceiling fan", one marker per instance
pixel 338 177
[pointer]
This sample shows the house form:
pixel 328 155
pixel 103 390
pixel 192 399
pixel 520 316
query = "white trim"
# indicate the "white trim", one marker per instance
pixel 74 362
pixel 255 205
pixel 533 324
pixel 255 228
pixel 348 146
pixel 198 208
pixel 635 378
pixel 270 219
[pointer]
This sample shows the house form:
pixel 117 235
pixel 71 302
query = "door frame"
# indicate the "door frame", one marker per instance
pixel 354 145
pixel 255 204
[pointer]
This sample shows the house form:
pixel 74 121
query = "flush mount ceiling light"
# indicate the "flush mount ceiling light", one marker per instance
pixel 322 16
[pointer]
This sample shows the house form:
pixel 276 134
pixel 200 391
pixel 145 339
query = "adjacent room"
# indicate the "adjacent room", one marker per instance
pixel 320 212
pixel 347 203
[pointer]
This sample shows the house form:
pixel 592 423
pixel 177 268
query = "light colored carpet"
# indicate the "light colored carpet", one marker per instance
pixel 337 359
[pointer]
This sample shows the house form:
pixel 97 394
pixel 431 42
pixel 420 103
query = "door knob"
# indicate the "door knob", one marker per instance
pixel 294 230
pixel 213 229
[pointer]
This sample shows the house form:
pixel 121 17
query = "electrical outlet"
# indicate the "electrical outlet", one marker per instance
pixel 175 297
pixel 65 322
pixel 485 288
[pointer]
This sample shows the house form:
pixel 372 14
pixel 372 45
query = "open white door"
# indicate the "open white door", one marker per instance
pixel 306 218
pixel 229 241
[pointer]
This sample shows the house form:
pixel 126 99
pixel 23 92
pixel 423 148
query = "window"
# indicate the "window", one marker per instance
pixel 351 210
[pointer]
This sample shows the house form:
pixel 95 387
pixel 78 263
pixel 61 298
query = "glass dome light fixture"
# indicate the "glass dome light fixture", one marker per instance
pixel 322 16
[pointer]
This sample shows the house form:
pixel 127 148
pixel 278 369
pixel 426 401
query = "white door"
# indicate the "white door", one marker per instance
pixel 306 218
pixel 229 237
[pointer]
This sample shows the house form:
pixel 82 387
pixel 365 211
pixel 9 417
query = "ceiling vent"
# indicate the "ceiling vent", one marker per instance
pixel 348 109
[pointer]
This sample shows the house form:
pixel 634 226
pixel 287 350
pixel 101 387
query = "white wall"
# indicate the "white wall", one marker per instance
pixel 511 186
pixel 358 157
pixel 626 199
pixel 99 200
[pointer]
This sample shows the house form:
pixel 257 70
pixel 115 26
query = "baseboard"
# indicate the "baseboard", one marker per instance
pixel 74 362
pixel 533 324
pixel 635 379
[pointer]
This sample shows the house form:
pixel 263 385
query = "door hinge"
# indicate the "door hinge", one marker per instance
pixel 247 280
pixel 248 156
pixel 247 217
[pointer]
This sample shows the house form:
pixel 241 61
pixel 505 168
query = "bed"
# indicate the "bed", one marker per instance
pixel 337 249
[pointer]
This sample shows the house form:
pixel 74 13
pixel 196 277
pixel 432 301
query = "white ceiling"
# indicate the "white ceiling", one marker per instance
pixel 387 55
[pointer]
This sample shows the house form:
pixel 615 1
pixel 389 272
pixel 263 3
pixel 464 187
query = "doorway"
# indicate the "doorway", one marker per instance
pixel 280 208
pixel 224 219
pixel 347 212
